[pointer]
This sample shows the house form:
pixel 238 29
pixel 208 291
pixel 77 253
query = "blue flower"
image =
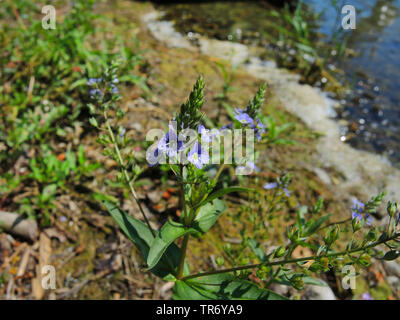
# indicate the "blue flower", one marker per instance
pixel 170 144
pixel 95 93
pixel 152 157
pixel 197 156
pixel 357 209
pixel 93 81
pixel 252 165
pixel 229 126
pixel 273 185
pixel 114 89
pixel 369 219
pixel 357 212
pixel 269 186
pixel 122 133
pixel 356 215
pixel 367 296
pixel 260 125
pixel 244 118
pixel 206 135
pixel 258 135
pixel 287 192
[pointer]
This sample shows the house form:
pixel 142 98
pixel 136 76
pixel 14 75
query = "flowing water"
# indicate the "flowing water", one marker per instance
pixel 370 113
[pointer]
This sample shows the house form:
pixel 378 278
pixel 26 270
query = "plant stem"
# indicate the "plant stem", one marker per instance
pixel 182 256
pixel 336 223
pixel 221 168
pixel 283 262
pixel 125 172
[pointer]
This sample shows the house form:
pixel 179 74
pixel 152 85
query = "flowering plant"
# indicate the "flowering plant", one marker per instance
pixel 185 145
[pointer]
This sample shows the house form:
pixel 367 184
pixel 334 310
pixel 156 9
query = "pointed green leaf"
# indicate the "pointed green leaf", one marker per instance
pixel 221 193
pixel 315 225
pixel 208 215
pixel 222 286
pixel 139 233
pixel 168 233
pixel 391 255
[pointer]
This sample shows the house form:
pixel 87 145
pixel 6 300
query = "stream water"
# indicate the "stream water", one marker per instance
pixel 370 113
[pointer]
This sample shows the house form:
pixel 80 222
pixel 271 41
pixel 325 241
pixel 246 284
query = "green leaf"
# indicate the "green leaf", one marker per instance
pixel 168 233
pixel 391 255
pixel 315 225
pixel 258 251
pixel 313 281
pixel 208 215
pixel 300 218
pixel 221 193
pixel 48 192
pixel 139 233
pixel 222 286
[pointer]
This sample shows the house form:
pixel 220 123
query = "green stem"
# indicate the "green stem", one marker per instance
pixel 273 277
pixel 125 172
pixel 182 256
pixel 283 262
pixel 221 168
pixel 335 223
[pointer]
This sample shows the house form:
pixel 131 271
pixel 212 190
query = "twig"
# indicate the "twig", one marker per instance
pixel 125 172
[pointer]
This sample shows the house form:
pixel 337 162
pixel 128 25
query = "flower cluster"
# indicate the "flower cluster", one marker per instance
pixel 358 212
pixel 96 83
pixel 254 123
pixel 393 211
pixel 172 144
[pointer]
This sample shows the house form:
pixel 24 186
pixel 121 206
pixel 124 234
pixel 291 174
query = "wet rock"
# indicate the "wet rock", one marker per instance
pixel 280 289
pixel 353 126
pixel 319 293
pixel 394 282
pixel 323 176
pixel 393 268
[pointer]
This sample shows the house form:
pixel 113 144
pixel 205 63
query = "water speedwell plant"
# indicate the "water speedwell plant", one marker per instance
pixel 202 206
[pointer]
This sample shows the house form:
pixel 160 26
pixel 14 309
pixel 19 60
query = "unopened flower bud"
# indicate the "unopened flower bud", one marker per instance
pixel 279 252
pixel 391 208
pixel 356 224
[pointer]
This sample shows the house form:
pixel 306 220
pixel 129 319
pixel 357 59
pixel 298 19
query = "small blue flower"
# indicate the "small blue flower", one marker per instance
pixel 273 185
pixel 197 156
pixel 114 89
pixel 170 143
pixel 258 135
pixel 229 126
pixel 252 165
pixel 152 157
pixel 93 81
pixel 369 219
pixel 356 215
pixel 244 118
pixel 367 296
pixel 287 192
pixel 206 135
pixel 357 205
pixel 269 186
pixel 260 125
pixel 95 93
pixel 357 212
pixel 122 133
